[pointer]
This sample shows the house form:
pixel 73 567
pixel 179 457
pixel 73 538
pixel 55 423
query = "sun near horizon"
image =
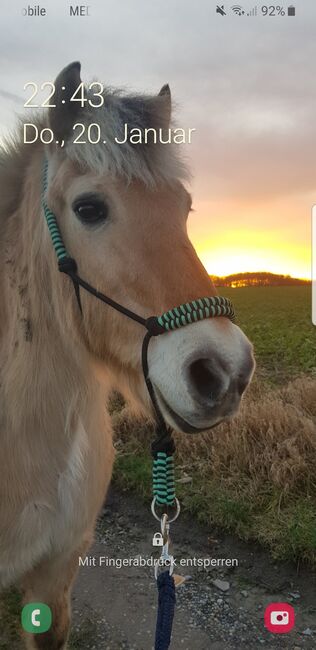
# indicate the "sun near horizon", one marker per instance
pixel 232 245
pixel 226 262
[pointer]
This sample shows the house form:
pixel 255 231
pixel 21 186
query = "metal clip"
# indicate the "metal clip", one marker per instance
pixel 166 559
pixel 176 515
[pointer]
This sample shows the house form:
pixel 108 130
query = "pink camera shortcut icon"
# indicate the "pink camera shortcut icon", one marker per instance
pixel 279 618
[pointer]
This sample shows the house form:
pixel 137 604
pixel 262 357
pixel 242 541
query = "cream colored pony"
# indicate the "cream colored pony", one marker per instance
pixel 122 211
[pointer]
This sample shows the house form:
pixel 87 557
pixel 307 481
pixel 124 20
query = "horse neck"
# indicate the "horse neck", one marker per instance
pixel 44 369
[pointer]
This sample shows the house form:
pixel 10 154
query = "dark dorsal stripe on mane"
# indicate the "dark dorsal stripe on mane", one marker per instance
pixel 150 162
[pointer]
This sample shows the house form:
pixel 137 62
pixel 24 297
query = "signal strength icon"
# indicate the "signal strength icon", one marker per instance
pixel 253 12
pixel 238 10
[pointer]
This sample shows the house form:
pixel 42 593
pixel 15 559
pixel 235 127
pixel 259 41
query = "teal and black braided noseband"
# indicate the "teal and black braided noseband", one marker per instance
pixel 185 314
pixel 191 312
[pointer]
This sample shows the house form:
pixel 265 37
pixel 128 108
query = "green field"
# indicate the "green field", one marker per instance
pixel 278 322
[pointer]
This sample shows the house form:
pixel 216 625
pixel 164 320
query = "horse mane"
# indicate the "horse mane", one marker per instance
pixel 150 163
pixel 15 157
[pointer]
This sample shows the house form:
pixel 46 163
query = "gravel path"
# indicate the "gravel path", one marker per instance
pixel 220 608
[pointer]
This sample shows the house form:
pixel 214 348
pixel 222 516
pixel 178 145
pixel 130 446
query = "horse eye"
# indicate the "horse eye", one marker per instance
pixel 90 210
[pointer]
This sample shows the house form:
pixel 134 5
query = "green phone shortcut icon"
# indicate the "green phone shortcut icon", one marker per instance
pixel 36 618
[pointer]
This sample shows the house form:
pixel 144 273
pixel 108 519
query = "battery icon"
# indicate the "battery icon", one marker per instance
pixel 291 11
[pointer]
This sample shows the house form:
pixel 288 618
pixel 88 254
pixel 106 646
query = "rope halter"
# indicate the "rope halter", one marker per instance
pixel 185 314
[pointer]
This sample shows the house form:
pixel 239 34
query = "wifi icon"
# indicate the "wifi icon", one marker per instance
pixel 238 10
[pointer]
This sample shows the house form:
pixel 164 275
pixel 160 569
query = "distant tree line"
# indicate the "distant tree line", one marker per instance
pixel 257 279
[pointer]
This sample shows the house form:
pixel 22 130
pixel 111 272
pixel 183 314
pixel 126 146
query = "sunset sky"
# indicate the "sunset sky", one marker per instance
pixel 246 84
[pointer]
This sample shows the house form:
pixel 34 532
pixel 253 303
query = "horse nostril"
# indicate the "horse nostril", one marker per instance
pixel 206 379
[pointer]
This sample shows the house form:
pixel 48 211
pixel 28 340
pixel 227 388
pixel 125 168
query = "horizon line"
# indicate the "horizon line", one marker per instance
pixel 284 275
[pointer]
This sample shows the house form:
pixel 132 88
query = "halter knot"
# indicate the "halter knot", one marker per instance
pixel 163 441
pixel 153 326
pixel 67 265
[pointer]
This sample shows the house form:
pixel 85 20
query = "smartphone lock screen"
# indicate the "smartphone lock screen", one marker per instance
pixel 157 325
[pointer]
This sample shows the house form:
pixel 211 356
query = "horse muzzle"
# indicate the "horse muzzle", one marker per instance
pixel 199 379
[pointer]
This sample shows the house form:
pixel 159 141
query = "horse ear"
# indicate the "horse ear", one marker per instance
pixel 165 95
pixel 165 90
pixel 63 116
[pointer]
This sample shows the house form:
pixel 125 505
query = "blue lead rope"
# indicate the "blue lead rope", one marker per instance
pixel 166 605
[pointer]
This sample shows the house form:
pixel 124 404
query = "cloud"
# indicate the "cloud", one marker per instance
pixel 11 96
pixel 246 85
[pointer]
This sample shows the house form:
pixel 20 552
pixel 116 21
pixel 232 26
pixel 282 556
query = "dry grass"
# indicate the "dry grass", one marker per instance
pixel 255 475
pixel 272 439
